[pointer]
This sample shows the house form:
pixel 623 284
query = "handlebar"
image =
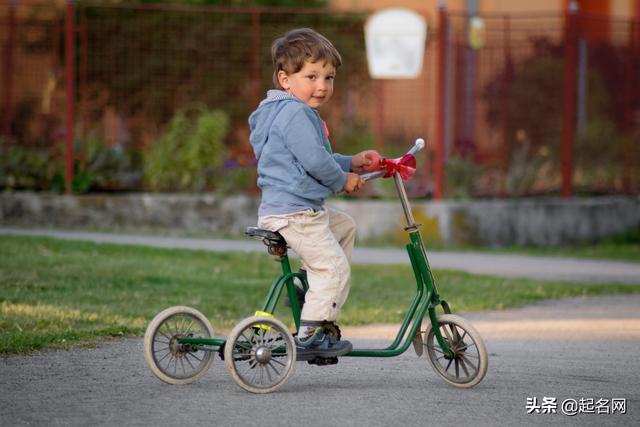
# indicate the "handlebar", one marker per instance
pixel 417 146
pixel 373 175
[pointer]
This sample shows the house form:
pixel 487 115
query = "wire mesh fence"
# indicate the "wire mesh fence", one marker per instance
pixel 149 79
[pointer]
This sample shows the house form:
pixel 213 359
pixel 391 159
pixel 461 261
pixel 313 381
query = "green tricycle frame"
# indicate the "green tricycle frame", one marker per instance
pixel 179 342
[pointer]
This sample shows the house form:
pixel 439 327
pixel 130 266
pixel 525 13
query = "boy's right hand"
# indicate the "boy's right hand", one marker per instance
pixel 354 182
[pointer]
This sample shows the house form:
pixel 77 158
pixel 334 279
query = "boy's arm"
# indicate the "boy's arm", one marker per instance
pixel 343 161
pixel 301 138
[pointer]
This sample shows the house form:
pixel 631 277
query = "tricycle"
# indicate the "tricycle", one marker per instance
pixel 260 351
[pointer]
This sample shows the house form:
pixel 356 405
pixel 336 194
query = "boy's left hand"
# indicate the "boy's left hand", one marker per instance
pixel 366 161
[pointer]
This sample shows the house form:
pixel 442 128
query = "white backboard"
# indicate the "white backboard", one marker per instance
pixel 395 40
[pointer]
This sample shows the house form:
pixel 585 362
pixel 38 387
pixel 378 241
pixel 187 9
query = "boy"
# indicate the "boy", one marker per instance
pixel 297 171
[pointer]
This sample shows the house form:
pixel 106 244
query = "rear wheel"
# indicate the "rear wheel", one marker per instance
pixel 467 365
pixel 172 362
pixel 260 354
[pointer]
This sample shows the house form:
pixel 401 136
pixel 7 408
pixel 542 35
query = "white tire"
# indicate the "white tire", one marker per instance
pixel 260 354
pixel 168 360
pixel 468 365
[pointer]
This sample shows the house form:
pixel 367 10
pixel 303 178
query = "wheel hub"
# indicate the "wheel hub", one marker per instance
pixel 174 345
pixel 263 354
pixel 176 348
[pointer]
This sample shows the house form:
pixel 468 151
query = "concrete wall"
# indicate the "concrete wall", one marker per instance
pixel 544 221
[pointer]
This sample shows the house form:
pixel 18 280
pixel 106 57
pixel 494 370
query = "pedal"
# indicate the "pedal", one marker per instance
pixel 323 361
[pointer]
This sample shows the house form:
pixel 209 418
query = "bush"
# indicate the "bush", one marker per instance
pixel 108 166
pixel 354 139
pixel 190 152
pixel 526 165
pixel 238 179
pixel 461 177
pixel 102 167
pixel 599 155
pixel 26 168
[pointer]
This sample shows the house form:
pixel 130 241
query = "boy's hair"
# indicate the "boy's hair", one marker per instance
pixel 290 51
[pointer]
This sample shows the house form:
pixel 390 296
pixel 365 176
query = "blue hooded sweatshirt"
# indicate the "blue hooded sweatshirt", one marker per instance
pixel 296 170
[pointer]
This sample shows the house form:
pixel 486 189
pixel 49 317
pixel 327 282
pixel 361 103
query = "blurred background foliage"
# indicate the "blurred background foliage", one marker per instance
pixel 152 73
pixel 189 154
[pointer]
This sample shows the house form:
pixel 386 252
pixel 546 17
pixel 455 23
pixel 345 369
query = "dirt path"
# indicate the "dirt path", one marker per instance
pixel 572 319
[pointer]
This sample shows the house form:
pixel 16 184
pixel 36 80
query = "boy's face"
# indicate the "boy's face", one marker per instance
pixel 313 84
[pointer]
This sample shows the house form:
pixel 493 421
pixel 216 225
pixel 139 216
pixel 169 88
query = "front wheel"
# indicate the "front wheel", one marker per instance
pixel 467 365
pixel 260 354
pixel 172 362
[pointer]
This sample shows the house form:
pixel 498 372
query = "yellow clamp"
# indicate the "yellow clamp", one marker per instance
pixel 263 313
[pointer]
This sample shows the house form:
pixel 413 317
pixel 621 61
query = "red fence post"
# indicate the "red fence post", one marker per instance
pixel 255 62
pixel 507 149
pixel 70 57
pixel 8 72
pixel 570 79
pixel 441 103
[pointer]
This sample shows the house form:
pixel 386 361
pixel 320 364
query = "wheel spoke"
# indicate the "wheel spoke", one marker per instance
pixel 260 334
pixel 176 328
pixel 273 367
pixel 246 365
pixel 193 354
pixel 190 364
pixel 446 332
pixel 242 335
pixel 463 366
pixel 166 347
pixel 464 358
pixel 267 338
pixel 473 344
pixel 454 332
pixel 438 349
pixel 266 370
pixel 448 365
pixel 253 377
pixel 441 357
pixel 261 370
pixel 167 337
pixel 278 362
pixel 172 359
pixel 163 357
pixel 184 370
pixel 189 326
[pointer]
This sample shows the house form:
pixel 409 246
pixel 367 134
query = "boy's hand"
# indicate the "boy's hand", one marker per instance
pixel 354 183
pixel 366 161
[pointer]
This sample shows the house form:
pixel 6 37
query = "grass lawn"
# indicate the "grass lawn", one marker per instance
pixel 621 247
pixel 56 293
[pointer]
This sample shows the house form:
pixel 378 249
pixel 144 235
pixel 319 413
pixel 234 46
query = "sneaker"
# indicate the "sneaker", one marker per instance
pixel 321 344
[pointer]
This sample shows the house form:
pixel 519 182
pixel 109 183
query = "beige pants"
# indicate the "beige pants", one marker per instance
pixel 324 241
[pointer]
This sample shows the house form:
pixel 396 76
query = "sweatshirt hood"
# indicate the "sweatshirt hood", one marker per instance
pixel 261 119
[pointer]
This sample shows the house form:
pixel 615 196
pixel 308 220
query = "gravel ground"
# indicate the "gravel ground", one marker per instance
pixel 562 359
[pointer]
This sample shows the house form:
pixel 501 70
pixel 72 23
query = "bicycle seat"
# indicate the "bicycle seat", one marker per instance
pixel 270 238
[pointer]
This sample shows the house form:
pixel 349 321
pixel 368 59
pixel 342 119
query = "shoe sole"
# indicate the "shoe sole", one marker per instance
pixel 306 355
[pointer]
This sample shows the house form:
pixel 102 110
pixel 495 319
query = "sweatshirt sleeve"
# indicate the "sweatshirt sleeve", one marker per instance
pixel 303 138
pixel 343 161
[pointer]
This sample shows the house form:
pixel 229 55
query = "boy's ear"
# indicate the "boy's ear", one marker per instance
pixel 283 79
